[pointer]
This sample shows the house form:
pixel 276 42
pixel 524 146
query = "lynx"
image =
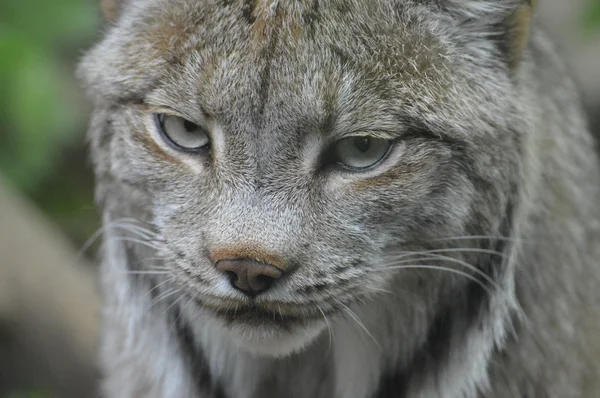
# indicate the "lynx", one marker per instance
pixel 343 198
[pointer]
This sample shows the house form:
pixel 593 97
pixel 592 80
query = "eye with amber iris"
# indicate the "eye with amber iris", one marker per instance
pixel 360 152
pixel 182 134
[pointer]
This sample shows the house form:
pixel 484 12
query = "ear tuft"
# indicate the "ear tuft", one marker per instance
pixel 111 9
pixel 517 34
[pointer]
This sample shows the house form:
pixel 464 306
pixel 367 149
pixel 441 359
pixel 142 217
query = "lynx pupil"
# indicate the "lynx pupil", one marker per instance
pixel 189 126
pixel 362 144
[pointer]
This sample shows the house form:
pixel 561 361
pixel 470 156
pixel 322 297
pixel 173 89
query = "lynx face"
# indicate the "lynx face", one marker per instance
pixel 289 154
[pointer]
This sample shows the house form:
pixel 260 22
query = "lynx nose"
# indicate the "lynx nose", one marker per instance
pixel 249 276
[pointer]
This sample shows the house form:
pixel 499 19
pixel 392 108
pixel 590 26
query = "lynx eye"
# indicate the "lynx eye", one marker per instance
pixel 182 134
pixel 360 152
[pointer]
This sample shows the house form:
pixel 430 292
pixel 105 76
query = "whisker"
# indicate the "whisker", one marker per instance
pixel 136 229
pixel 454 250
pixel 134 240
pixel 122 225
pixel 279 312
pixel 480 237
pixel 446 269
pixel 146 272
pixel 155 258
pixel 351 313
pixel 154 267
pixel 380 290
pixel 125 223
pixel 145 263
pixel 149 264
pixel 159 285
pixel 182 309
pixel 440 257
pixel 177 300
pixel 163 296
pixel 329 330
pixel 133 221
pixel 95 236
pixel 137 220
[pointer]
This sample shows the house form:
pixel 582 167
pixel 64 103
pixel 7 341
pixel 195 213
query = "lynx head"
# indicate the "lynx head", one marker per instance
pixel 290 153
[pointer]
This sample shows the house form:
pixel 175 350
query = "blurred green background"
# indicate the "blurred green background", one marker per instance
pixel 42 147
pixel 592 20
pixel 43 153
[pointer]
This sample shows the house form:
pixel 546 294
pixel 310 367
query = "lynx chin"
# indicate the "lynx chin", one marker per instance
pixel 342 199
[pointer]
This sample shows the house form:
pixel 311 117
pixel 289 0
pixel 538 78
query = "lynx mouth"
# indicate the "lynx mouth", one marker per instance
pixel 254 316
pixel 261 312
pixel 268 328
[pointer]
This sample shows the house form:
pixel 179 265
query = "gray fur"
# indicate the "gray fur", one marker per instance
pixel 491 145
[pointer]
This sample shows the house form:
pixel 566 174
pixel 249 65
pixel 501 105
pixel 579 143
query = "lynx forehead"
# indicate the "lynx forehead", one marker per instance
pixel 390 48
pixel 342 198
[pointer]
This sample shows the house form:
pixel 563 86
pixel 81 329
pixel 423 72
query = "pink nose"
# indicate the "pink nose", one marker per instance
pixel 249 276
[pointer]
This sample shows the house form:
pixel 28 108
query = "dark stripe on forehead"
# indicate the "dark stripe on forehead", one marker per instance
pixel 311 16
pixel 248 11
pixel 265 75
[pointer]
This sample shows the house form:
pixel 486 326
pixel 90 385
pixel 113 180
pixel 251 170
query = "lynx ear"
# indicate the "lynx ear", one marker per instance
pixel 507 22
pixel 111 9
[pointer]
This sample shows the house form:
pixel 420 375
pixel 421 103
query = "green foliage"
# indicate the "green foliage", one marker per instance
pixel 41 107
pixel 592 17
pixel 31 394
